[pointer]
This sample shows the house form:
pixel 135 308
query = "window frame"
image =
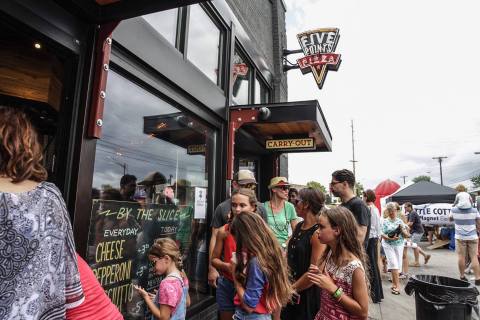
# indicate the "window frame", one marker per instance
pixel 218 22
pixel 134 70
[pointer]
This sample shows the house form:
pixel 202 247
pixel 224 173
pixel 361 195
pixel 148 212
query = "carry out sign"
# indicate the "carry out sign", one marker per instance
pixel 286 144
pixel 434 213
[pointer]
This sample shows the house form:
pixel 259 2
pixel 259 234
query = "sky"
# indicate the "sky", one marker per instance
pixel 409 80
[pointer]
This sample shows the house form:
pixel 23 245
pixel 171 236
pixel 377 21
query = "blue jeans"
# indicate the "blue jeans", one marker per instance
pixel 225 294
pixel 241 314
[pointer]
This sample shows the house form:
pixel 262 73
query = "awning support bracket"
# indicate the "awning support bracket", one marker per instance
pixel 103 48
pixel 238 117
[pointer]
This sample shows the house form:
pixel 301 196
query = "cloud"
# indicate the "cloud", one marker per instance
pixel 408 80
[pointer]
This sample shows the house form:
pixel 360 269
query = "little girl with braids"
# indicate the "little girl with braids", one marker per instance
pixel 172 299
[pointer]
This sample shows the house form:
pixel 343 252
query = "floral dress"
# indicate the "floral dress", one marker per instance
pixel 38 266
pixel 330 309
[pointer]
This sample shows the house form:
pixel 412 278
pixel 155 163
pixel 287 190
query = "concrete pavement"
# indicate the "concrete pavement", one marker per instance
pixel 402 307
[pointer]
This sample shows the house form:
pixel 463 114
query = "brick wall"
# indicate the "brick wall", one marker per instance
pixel 264 22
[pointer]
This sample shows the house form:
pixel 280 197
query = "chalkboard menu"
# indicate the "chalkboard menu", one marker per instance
pixel 120 236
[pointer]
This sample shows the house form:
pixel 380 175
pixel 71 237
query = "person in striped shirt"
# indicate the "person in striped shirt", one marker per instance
pixel 467 224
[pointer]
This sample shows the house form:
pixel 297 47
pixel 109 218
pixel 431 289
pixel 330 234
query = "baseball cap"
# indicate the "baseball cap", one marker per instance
pixel 244 177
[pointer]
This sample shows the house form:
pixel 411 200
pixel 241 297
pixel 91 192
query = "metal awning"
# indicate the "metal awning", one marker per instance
pixel 278 128
pixel 103 11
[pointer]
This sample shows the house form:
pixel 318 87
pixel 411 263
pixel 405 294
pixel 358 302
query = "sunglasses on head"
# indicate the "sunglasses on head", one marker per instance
pixel 249 185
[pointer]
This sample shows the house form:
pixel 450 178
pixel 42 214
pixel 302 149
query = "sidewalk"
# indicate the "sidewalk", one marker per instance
pixel 443 262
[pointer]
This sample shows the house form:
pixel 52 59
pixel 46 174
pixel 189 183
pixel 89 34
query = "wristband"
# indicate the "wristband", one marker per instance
pixel 337 294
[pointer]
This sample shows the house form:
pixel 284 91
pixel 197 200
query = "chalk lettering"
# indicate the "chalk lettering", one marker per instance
pixel 109 250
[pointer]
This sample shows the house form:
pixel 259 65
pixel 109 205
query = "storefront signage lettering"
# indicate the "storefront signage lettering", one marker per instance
pixel 196 149
pixel 121 234
pixel 434 213
pixel 302 143
pixel 318 47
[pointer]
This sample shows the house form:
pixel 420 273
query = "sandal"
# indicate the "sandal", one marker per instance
pixel 395 291
pixel 427 257
pixel 464 278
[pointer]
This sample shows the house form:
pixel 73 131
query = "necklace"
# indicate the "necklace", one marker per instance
pixel 285 227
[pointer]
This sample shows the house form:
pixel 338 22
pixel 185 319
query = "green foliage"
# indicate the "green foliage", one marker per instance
pixel 106 187
pixel 422 178
pixel 476 181
pixel 317 185
pixel 358 189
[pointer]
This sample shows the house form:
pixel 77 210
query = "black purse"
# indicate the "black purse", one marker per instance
pixel 395 233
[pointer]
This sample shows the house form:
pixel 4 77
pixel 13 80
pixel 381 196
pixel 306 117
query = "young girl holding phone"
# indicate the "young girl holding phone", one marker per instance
pixel 259 270
pixel 172 299
pixel 242 200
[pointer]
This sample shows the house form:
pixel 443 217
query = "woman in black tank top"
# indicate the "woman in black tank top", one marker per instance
pixel 304 249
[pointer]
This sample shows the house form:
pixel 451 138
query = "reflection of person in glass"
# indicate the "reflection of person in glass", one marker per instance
pixel 128 185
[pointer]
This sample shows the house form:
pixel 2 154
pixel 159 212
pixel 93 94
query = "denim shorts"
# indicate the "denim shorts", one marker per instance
pixel 225 294
pixel 241 314
pixel 417 237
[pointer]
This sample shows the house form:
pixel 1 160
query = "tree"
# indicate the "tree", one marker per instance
pixel 358 189
pixel 316 185
pixel 421 178
pixel 476 180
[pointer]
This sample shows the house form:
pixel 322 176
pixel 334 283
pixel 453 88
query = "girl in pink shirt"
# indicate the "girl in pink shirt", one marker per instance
pixel 172 298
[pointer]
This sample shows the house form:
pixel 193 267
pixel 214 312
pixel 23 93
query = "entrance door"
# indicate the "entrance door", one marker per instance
pixel 36 75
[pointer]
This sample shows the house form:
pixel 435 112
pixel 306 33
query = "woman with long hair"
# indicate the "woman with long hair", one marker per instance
pixel 394 230
pixel 280 213
pixel 35 231
pixel 341 274
pixel 304 249
pixel 376 290
pixel 225 246
pixel 259 270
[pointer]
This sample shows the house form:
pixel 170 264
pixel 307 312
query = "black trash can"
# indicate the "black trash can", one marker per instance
pixel 442 298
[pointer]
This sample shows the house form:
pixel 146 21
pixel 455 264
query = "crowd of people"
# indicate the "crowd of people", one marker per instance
pixel 290 257
pixel 299 260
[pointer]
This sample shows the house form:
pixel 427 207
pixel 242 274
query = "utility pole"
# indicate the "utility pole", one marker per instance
pixel 353 161
pixel 403 178
pixel 440 159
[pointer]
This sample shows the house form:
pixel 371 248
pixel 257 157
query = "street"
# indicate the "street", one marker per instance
pixel 402 307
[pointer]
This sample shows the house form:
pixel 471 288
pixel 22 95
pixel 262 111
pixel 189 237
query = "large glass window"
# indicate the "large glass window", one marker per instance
pixel 203 43
pixel 150 181
pixel 165 23
pixel 241 79
pixel 261 92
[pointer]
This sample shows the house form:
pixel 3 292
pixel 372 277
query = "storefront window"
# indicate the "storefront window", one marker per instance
pixel 261 92
pixel 150 181
pixel 240 79
pixel 165 23
pixel 203 43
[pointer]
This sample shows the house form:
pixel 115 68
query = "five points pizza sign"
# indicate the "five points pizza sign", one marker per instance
pixel 319 49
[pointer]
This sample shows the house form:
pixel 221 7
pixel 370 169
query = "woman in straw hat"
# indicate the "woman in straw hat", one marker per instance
pixel 280 212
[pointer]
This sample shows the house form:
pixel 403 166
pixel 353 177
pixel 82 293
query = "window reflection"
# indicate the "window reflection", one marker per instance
pixel 240 79
pixel 261 92
pixel 203 43
pixel 150 181
pixel 165 23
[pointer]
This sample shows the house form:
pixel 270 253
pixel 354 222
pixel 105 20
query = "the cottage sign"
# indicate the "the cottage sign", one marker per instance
pixel 319 49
